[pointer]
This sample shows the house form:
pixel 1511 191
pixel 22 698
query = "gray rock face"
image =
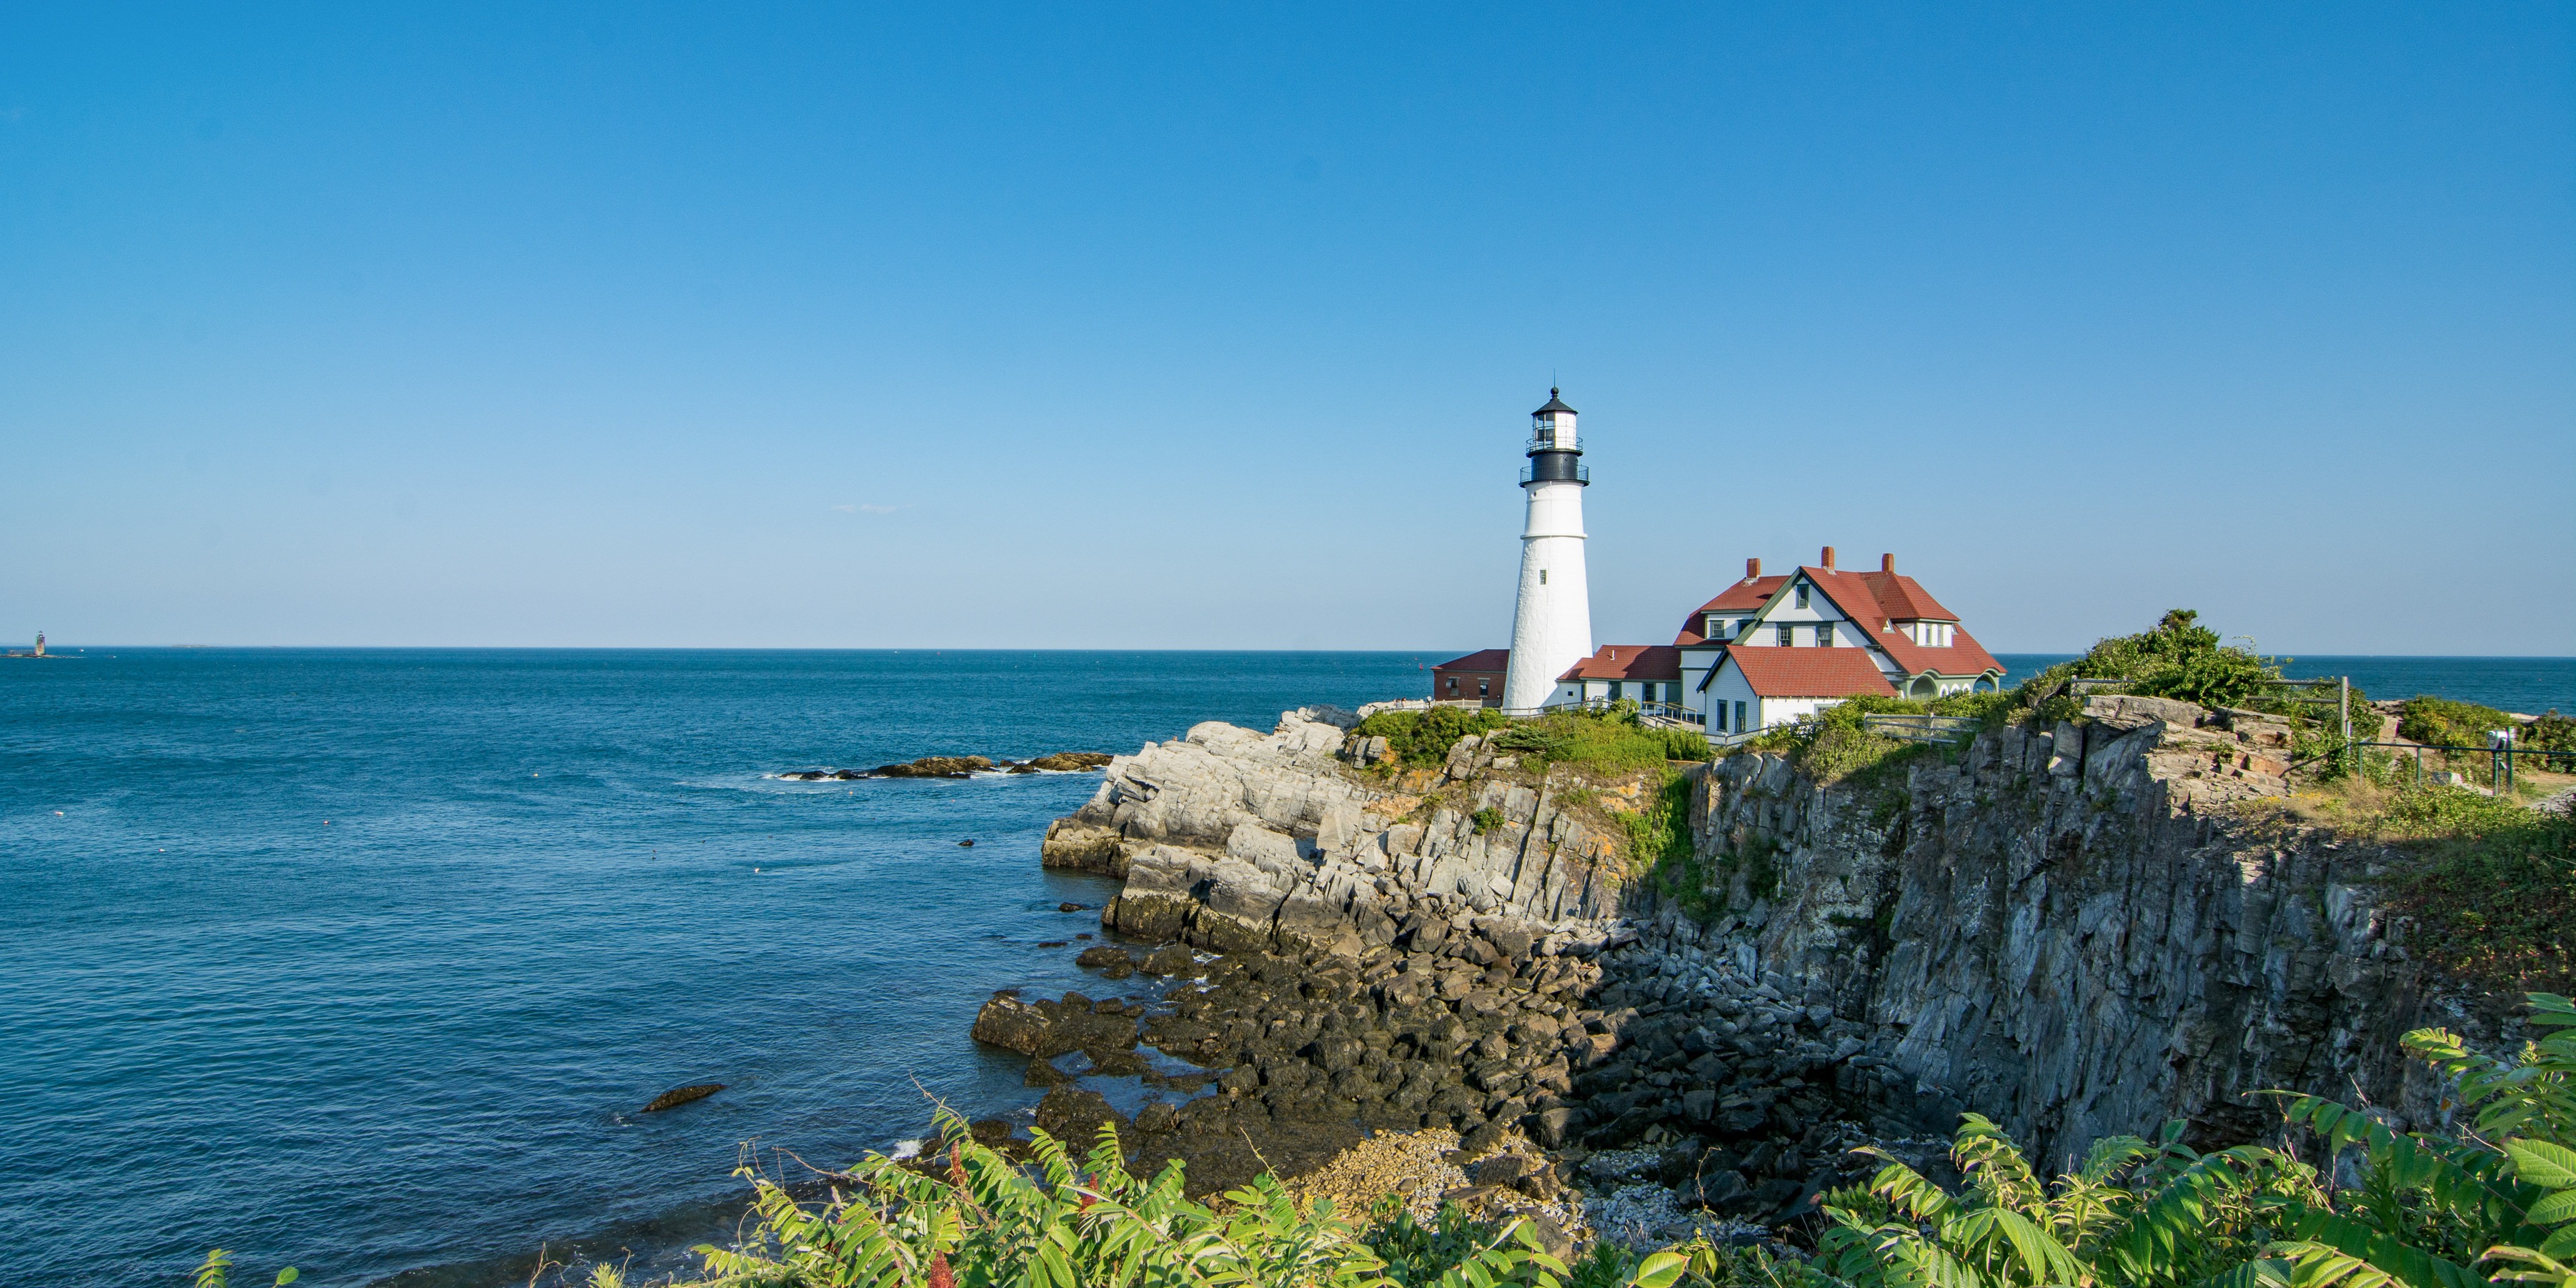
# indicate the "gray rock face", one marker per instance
pixel 1237 841
pixel 2077 931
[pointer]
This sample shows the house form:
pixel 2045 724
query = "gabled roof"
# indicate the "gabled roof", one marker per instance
pixel 1903 599
pixel 1743 597
pixel 1628 662
pixel 1861 598
pixel 1483 659
pixel 1805 672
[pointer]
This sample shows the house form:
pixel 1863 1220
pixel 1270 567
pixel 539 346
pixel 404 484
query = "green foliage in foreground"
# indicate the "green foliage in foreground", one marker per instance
pixel 2495 1204
pixel 216 1271
pixel 1088 1224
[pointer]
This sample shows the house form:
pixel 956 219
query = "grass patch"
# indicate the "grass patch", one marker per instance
pixel 2491 883
pixel 1607 742
pixel 1835 744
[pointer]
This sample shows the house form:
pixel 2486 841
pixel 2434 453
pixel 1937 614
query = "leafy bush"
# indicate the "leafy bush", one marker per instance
pixel 1423 738
pixel 1835 743
pixel 2180 658
pixel 2442 722
pixel 1486 819
pixel 1601 741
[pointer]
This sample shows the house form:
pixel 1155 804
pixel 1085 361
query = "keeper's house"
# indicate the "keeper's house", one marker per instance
pixel 1767 650
pixel 1476 678
pixel 1647 672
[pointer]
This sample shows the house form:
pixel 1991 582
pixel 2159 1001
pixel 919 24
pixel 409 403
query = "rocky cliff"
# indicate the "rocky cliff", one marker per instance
pixel 2081 930
pixel 1239 841
pixel 2077 930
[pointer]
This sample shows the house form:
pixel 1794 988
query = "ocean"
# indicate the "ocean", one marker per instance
pixel 365 960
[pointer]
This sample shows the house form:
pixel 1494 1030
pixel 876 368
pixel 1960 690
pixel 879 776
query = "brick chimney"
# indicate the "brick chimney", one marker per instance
pixel 1829 559
pixel 1887 563
pixel 1752 569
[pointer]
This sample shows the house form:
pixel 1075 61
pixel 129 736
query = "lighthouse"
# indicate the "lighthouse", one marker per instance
pixel 1552 622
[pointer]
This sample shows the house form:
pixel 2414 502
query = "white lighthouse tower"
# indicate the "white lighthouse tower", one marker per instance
pixel 1552 624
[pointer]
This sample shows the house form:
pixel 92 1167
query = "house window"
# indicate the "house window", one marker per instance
pixel 1825 635
pixel 1718 709
pixel 1786 635
pixel 1542 576
pixel 1802 594
pixel 1453 686
pixel 1614 690
pixel 1716 627
pixel 1743 624
pixel 1739 717
pixel 1480 687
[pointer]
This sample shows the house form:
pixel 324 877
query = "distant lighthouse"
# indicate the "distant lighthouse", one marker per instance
pixel 1552 623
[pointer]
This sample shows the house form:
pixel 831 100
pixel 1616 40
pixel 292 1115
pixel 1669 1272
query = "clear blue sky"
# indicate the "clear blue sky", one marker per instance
pixel 1207 326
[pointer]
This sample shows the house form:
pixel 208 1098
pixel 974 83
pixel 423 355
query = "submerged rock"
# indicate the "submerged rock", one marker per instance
pixel 678 1096
pixel 937 767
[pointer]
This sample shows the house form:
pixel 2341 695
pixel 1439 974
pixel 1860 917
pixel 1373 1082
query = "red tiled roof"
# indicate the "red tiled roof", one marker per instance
pixel 1629 662
pixel 1483 659
pixel 1863 596
pixel 1742 597
pixel 1806 672
pixel 1903 598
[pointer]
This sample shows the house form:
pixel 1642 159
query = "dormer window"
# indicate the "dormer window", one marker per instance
pixel 1716 627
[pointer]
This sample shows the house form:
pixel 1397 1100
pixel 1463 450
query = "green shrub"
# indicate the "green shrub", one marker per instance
pixel 1659 837
pixel 2441 722
pixel 1486 819
pixel 1599 741
pixel 1835 743
pixel 2180 658
pixel 1423 738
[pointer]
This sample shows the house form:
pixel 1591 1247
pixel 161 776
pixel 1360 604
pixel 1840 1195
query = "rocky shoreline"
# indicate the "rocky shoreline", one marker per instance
pixel 2074 929
pixel 956 767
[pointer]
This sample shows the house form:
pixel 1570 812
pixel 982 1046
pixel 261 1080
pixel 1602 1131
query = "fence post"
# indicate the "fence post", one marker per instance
pixel 2343 705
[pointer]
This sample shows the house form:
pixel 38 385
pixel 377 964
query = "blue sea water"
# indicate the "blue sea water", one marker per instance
pixel 364 960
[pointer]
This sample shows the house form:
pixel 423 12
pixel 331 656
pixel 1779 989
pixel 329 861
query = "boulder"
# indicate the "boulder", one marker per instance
pixel 937 767
pixel 1044 1029
pixel 1074 1116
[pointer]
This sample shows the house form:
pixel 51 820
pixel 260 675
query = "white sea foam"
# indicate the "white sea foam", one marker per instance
pixel 904 1149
